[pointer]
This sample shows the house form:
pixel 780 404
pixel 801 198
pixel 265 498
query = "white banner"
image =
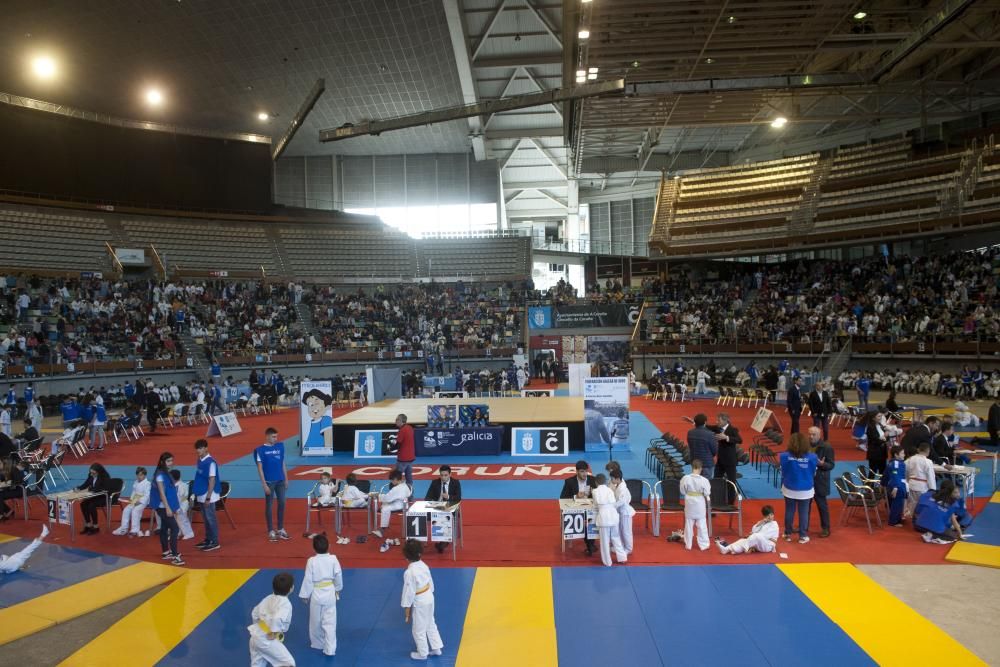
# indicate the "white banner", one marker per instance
pixel 131 256
pixel 316 417
pixel 224 425
pixel 605 411
pixel 577 374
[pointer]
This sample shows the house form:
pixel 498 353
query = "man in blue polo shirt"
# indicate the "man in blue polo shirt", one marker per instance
pixel 207 489
pixel 270 458
pixel 70 410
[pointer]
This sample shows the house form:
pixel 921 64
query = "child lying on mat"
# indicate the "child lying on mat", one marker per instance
pixel 14 562
pixel 763 536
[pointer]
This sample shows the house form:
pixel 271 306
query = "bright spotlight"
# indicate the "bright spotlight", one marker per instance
pixel 779 122
pixel 583 34
pixel 263 115
pixel 44 67
pixel 860 16
pixel 154 97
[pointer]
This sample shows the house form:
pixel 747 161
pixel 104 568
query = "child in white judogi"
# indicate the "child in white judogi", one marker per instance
pixel 321 587
pixel 919 477
pixel 393 501
pixel 5 421
pixel 184 497
pixel 607 522
pixel 353 497
pixel 418 601
pixel 271 620
pixel 762 538
pixel 696 492
pixel 325 491
pixel 623 503
pixel 14 562
pixel 135 505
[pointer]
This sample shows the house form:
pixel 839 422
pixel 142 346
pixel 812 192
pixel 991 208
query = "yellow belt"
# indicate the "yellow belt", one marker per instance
pixel 280 636
pixel 694 495
pixel 424 589
pixel 323 584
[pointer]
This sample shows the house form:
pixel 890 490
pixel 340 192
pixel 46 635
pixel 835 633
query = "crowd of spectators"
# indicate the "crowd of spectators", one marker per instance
pixel 968 383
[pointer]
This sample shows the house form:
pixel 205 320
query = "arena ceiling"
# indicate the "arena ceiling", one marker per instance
pixel 705 77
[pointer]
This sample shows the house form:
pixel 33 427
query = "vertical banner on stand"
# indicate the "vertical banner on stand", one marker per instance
pixel 605 411
pixel 316 417
pixel 577 374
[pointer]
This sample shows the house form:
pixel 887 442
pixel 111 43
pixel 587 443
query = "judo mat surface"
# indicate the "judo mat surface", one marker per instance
pixel 983 548
pixel 758 614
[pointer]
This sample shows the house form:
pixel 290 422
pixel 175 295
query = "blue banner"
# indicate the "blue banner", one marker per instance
pixel 375 444
pixel 550 441
pixel 459 441
pixel 540 317
pixel 442 383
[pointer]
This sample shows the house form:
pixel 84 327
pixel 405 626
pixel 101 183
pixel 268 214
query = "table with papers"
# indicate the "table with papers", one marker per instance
pixel 577 519
pixel 432 521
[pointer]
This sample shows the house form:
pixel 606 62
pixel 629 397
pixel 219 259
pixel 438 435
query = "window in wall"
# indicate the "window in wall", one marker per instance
pixel 420 220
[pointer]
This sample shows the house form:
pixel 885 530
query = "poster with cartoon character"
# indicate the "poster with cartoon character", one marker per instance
pixel 316 417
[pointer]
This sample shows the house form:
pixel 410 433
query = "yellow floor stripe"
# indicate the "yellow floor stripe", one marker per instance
pixel 7 538
pixel 90 595
pixel 995 498
pixel 510 609
pixel 155 627
pixel 851 599
pixel 974 554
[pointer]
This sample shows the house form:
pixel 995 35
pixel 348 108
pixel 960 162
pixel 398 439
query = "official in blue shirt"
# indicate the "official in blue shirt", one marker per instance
pixel 216 369
pixel 798 472
pixel 270 458
pixel 70 411
pixel 163 500
pixel 207 489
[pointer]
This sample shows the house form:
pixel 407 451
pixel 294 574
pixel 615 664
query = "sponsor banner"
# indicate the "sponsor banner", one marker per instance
pixel 441 382
pixel 476 415
pixel 224 425
pixel 375 444
pixel 611 349
pixel 537 393
pixel 131 256
pixel 540 317
pixel 316 417
pixel 459 441
pixel 219 274
pixel 463 471
pixel 544 441
pixel 442 416
pixel 605 411
pixel 451 394
pixel 593 316
pixel 578 374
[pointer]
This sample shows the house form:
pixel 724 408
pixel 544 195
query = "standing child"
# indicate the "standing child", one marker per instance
pixel 393 501
pixel 271 620
pixel 14 562
pixel 762 538
pixel 919 477
pixel 184 497
pixel 135 505
pixel 623 503
pixel 418 598
pixel 321 588
pixel 894 481
pixel 607 521
pixel 697 492
pixel 5 421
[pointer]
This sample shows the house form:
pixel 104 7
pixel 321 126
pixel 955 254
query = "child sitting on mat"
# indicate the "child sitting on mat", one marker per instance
pixel 762 538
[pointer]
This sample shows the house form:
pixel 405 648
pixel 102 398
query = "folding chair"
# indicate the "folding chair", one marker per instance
pixel 313 506
pixel 854 497
pixel 668 493
pixel 400 512
pixel 364 486
pixel 720 504
pixel 115 487
pixel 635 488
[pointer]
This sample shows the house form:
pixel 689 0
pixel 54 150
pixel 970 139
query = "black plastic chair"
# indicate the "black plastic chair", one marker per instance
pixel 720 504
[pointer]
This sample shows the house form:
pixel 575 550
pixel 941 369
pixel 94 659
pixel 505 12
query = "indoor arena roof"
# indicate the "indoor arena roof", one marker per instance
pixel 705 78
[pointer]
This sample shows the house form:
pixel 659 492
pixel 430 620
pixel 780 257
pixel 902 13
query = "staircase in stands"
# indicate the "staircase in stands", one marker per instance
pixel 194 352
pixel 838 360
pixel 803 218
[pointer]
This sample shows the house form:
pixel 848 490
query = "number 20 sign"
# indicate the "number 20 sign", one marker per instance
pixel 577 525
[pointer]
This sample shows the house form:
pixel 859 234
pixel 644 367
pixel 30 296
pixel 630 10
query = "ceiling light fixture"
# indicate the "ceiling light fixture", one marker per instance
pixel 635 63
pixel 263 115
pixel 591 70
pixel 860 15
pixel 581 79
pixel 731 20
pixel 779 122
pixel 592 76
pixel 583 34
pixel 581 72
pixel 154 97
pixel 709 60
pixel 44 67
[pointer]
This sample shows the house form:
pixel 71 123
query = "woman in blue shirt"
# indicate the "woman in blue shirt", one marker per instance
pixel 163 500
pixel 798 470
pixel 939 514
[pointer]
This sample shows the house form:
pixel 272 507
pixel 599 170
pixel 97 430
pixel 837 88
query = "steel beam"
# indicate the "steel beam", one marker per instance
pixel 553 96
pixel 751 83
pixel 930 26
pixel 527 132
pixel 298 119
pixel 463 63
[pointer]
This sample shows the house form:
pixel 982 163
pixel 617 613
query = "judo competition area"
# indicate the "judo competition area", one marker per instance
pixel 511 594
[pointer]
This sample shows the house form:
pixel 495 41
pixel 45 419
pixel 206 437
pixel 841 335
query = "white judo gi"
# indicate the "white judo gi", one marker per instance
pixel 920 478
pixel 418 592
pixel 623 503
pixel 607 524
pixel 696 492
pixel 393 501
pixel 132 513
pixel 14 562
pixel 272 615
pixel 763 537
pixel 183 516
pixel 352 496
pixel 324 494
pixel 321 585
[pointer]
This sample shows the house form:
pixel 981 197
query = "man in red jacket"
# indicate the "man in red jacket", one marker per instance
pixel 405 453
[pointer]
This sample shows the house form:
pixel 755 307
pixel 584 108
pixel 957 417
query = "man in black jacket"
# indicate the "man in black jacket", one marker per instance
pixel 728 437
pixel 919 434
pixel 444 489
pixel 993 423
pixel 580 486
pixel 794 403
pixel 821 482
pixel 821 407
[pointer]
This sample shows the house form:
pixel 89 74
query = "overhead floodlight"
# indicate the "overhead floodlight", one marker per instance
pixel 44 67
pixel 581 72
pixel 779 122
pixel 731 20
pixel 581 79
pixel 860 15
pixel 263 115
pixel 592 76
pixel 709 61
pixel 154 97
pixel 583 34
pixel 591 70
